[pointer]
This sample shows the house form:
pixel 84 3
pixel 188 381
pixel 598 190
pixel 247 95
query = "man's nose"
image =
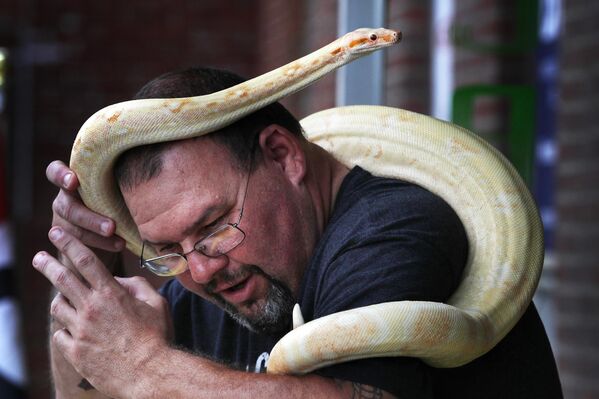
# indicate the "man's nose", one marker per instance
pixel 203 268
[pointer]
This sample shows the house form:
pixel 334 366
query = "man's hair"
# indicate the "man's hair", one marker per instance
pixel 141 164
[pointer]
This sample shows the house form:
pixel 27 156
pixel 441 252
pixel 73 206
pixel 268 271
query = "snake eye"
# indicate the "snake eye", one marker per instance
pixel 373 37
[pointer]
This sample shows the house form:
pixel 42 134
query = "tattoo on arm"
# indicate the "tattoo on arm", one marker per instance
pixel 366 392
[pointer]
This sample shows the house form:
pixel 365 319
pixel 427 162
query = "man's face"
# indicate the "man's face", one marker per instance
pixel 200 188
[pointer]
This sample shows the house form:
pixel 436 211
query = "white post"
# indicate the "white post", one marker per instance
pixel 441 59
pixel 362 81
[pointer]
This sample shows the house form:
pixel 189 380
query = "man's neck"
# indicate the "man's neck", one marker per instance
pixel 325 175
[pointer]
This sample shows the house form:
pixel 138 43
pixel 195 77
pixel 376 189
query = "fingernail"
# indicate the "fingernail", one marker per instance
pixel 67 179
pixel 55 233
pixel 37 259
pixel 105 227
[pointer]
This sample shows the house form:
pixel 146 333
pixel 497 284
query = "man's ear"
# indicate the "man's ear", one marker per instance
pixel 284 150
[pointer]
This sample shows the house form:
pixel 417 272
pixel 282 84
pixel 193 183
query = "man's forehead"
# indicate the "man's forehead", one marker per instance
pixel 170 216
pixel 206 159
pixel 191 187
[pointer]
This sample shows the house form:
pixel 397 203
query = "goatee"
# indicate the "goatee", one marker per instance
pixel 272 316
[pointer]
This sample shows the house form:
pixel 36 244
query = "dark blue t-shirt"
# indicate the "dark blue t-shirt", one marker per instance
pixel 387 240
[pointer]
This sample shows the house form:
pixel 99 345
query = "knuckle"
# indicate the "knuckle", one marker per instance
pixel 54 307
pixel 62 277
pixel 57 205
pixel 63 206
pixel 85 260
pixel 89 313
pixel 66 244
pixel 67 209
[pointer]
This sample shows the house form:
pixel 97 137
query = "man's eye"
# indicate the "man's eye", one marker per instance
pixel 167 249
pixel 214 223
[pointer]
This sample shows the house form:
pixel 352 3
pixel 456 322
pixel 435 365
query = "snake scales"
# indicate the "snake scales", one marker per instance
pixel 501 220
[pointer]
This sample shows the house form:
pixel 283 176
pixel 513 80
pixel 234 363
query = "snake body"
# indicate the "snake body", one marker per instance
pixel 501 221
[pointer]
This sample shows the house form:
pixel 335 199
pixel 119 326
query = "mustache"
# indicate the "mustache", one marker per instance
pixel 228 276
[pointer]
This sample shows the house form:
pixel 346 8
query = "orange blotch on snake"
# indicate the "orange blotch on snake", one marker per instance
pixel 179 105
pixel 462 147
pixel 114 117
pixel 291 69
pixel 354 43
pixel 336 51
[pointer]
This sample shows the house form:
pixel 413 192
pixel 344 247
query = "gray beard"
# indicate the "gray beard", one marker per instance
pixel 274 316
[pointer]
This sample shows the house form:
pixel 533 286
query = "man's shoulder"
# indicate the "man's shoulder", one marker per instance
pixel 367 204
pixel 387 240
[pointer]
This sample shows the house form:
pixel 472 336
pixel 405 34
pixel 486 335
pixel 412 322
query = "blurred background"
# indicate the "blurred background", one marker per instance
pixel 522 73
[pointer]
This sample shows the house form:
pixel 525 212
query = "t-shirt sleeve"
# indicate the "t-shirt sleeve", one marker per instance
pixel 413 248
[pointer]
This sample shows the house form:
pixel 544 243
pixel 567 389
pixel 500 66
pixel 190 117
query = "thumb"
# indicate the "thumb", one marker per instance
pixel 141 289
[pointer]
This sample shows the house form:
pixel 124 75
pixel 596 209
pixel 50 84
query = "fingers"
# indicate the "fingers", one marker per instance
pixel 141 289
pixel 61 176
pixel 70 213
pixel 73 210
pixel 64 342
pixel 61 277
pixel 91 239
pixel 62 312
pixel 70 208
pixel 82 258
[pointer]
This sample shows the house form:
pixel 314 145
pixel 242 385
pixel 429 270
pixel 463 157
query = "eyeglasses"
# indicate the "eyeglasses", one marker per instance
pixel 223 239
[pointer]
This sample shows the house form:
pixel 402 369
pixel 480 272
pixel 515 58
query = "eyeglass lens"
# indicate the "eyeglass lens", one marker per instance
pixel 218 243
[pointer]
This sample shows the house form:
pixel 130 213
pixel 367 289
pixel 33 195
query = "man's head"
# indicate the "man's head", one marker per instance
pixel 142 163
pixel 179 192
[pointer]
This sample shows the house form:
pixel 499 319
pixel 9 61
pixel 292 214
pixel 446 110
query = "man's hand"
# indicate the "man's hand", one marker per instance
pixel 72 215
pixel 111 327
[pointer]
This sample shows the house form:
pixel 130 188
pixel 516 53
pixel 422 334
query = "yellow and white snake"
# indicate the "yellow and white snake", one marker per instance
pixel 500 217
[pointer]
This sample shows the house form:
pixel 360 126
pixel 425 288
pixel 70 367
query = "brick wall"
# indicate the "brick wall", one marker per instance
pixel 280 38
pixel 407 70
pixel 577 296
pixel 77 58
pixel 290 29
pixel 320 28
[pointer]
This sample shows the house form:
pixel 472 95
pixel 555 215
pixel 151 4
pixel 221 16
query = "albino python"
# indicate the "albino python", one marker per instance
pixel 501 220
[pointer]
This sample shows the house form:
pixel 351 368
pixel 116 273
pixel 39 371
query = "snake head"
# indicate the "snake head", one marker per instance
pixel 365 40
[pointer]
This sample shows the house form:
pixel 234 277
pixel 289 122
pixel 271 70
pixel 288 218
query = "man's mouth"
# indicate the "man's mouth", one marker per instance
pixel 236 287
pixel 239 292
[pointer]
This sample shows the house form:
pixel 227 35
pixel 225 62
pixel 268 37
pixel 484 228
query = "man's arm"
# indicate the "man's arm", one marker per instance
pixel 184 375
pixel 116 335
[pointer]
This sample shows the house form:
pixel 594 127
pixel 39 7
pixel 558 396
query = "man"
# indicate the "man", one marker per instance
pixel 251 220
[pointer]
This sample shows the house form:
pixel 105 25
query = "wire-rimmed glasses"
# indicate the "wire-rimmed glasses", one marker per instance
pixel 223 239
